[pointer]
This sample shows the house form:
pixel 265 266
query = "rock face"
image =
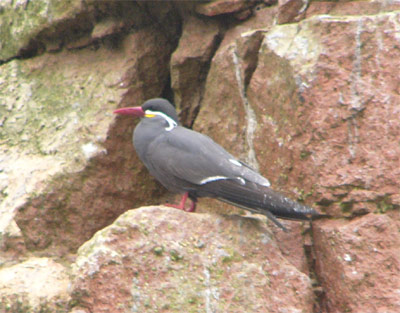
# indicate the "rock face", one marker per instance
pixel 157 263
pixel 306 92
pixel 359 254
pixel 34 284
pixel 56 122
pixel 190 63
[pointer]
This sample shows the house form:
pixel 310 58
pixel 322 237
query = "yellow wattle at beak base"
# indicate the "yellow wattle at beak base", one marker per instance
pixel 149 115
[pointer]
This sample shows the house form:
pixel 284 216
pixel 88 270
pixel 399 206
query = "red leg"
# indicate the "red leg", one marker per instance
pixel 192 206
pixel 181 205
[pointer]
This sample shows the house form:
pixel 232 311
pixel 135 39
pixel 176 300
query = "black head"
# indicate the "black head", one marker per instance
pixel 161 105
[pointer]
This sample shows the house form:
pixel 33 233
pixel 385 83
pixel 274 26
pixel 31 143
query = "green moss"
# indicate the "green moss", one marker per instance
pixel 147 304
pixel 158 250
pixel 346 207
pixel 143 229
pixel 184 299
pixel 20 23
pixel 20 304
pixel 385 205
pixel 44 105
pixel 304 154
pixel 192 299
pixel 175 256
pixel 302 195
pixel 232 257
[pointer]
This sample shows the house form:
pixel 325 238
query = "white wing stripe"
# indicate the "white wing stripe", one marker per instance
pixel 216 178
pixel 233 161
pixel 212 178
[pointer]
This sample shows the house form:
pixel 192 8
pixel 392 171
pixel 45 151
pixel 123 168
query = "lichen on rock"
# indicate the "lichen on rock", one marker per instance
pixel 234 257
pixel 307 92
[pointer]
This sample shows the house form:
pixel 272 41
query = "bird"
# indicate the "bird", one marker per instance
pixel 192 164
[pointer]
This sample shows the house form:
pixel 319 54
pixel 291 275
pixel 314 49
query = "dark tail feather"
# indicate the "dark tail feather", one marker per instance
pixel 286 208
pixel 258 199
pixel 263 212
pixel 277 223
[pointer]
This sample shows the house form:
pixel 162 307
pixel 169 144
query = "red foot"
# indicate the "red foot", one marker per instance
pixel 181 205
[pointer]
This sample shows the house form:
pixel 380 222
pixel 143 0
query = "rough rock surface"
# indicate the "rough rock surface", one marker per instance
pixel 153 262
pixel 48 133
pixel 291 10
pixel 21 22
pixel 190 63
pixel 328 112
pixel 360 258
pixel 218 7
pixel 339 107
pixel 36 285
pixel 306 92
pixel 59 149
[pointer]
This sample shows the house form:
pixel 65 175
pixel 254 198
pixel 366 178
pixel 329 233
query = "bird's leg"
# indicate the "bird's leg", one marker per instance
pixel 192 206
pixel 181 205
pixel 183 201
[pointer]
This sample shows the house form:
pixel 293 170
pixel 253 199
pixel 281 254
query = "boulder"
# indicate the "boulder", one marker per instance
pixel 150 260
pixel 358 263
pixel 35 285
pixel 190 63
pixel 218 7
pixel 21 22
pixel 290 11
pixel 326 107
pixel 60 145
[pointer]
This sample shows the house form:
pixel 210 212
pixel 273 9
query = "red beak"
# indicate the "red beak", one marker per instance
pixel 135 111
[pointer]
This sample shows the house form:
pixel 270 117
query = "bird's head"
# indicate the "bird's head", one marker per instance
pixel 152 108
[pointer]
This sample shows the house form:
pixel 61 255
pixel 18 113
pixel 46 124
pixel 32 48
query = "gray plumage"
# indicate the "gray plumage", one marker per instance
pixel 183 160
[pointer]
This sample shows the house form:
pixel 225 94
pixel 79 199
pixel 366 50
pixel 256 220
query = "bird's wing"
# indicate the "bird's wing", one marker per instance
pixel 187 156
pixel 197 159
pixel 258 198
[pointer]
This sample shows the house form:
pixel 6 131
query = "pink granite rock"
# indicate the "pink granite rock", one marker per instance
pixel 217 7
pixel 358 263
pixel 165 260
pixel 190 64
